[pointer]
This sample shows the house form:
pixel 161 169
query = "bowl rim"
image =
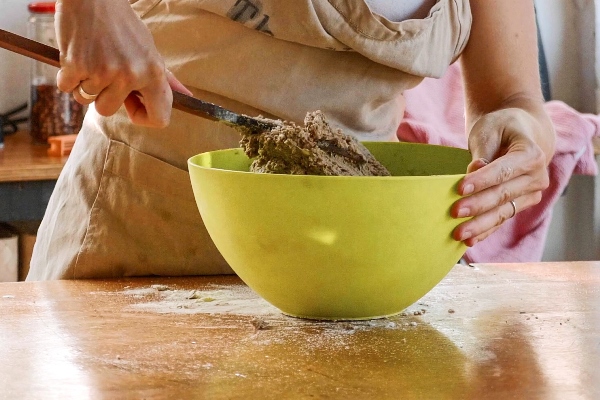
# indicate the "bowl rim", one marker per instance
pixel 192 163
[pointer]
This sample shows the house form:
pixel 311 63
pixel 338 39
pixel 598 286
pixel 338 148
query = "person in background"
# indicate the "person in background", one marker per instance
pixel 123 204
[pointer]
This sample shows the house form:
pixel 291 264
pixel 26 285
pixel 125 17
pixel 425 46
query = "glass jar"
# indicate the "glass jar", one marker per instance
pixel 51 112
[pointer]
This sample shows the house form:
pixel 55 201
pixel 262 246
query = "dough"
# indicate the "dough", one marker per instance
pixel 315 149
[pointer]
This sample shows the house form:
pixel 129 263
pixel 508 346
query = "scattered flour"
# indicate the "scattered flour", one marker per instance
pixel 243 301
pixel 239 300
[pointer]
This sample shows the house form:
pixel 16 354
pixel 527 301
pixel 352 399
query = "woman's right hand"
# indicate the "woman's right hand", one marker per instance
pixel 107 49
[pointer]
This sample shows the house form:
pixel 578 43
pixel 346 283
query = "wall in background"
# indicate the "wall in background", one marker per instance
pixel 567 31
pixel 14 69
pixel 568 36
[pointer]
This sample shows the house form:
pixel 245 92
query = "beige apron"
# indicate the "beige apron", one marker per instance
pixel 123 205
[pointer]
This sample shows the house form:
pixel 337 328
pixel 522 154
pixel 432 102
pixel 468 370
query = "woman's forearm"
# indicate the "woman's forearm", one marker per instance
pixel 500 65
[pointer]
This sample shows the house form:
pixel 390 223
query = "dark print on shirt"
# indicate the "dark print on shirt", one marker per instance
pixel 244 11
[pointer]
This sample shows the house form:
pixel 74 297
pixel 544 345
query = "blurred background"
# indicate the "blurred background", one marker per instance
pixel 568 29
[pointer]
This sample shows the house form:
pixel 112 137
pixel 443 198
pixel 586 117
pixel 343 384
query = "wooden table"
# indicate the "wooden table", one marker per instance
pixel 522 331
pixel 27 178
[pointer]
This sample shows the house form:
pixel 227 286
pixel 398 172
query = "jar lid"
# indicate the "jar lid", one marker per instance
pixel 48 7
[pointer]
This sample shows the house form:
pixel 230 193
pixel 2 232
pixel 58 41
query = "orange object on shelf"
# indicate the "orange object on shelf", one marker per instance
pixel 61 145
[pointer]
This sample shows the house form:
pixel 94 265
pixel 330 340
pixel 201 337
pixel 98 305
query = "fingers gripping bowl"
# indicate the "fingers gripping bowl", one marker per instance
pixel 335 247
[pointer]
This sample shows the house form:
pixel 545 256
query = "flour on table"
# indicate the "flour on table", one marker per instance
pixel 215 300
pixel 243 301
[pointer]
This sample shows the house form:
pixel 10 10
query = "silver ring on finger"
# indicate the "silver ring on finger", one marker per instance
pixel 85 94
pixel 514 207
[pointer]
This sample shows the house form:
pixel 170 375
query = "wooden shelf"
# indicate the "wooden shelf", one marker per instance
pixel 22 160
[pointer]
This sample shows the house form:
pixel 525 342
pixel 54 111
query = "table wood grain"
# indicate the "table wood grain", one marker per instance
pixel 523 331
pixel 21 160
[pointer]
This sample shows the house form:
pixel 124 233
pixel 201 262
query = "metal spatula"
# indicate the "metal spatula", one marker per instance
pixel 50 55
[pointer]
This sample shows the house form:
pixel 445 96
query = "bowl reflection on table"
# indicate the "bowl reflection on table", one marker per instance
pixel 335 247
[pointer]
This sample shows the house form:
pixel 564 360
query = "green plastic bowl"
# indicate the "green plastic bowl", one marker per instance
pixel 335 247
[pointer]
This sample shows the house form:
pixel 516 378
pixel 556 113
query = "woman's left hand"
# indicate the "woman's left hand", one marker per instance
pixel 508 172
pixel 511 137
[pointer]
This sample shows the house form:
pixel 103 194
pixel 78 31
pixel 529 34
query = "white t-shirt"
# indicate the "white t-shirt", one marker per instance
pixel 400 10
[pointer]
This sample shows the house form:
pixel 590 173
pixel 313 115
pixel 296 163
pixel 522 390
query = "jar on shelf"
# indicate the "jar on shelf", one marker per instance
pixel 51 112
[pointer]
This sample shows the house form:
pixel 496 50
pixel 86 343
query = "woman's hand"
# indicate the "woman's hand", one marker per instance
pixel 508 172
pixel 511 138
pixel 107 49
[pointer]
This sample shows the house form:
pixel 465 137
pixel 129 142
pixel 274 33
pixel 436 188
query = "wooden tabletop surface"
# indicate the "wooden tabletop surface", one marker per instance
pixel 522 331
pixel 21 160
